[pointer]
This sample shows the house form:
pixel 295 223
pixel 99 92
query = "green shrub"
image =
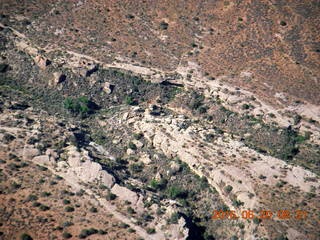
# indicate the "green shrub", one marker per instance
pixel 281 183
pixel 78 105
pixel 58 177
pixel 138 136
pixel 66 235
pixel 45 194
pixel 4 67
pixel 80 193
pixel 130 101
pixel 25 236
pixel 271 115
pixel 44 207
pixel 282 237
pixel 283 23
pixel 123 225
pixel 310 195
pixel 300 139
pixel 194 45
pixel 42 168
pixel 176 192
pixel 245 106
pixel 196 101
pixel 132 146
pixel 15 185
pixel 203 109
pixel 228 189
pixel 102 232
pixel 164 25
pixel 69 209
pixel 160 211
pixel 158 185
pixel 93 210
pixel 256 220
pixel 237 203
pixel 147 217
pixel 111 196
pixel 154 184
pixel 174 218
pixel 32 198
pixel 103 187
pixel 67 224
pixel 130 210
pixel 204 183
pixel 262 177
pixel 42 180
pixel 36 204
pixel 53 183
pixel 225 208
pixel 66 201
pixel 241 225
pixel 136 167
pixel 151 230
pixel 87 232
pixel 8 138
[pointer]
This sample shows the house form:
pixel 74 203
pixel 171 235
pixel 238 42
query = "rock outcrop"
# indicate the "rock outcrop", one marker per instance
pixel 85 169
pixel 125 194
pixel 107 88
pixel 42 62
pixel 57 78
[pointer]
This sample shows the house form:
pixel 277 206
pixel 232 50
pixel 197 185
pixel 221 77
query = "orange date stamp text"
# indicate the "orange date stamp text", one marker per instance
pixel 263 214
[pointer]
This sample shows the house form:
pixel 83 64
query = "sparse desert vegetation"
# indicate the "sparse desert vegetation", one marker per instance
pixel 137 120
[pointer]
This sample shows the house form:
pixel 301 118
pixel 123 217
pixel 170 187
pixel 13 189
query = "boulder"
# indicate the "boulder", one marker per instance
pixel 125 116
pixel 145 158
pixel 29 152
pixel 92 172
pixel 107 179
pixel 81 165
pixel 137 109
pixel 42 160
pixel 74 158
pixel 125 194
pixel 42 62
pixel 174 167
pixel 52 154
pixel 107 88
pixel 93 79
pixel 57 78
pixel 130 152
pixel 138 143
pixel 85 71
pixel 180 230
pixel 62 165
pixel 158 176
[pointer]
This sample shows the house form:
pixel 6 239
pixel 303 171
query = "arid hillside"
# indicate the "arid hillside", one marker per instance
pixel 268 47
